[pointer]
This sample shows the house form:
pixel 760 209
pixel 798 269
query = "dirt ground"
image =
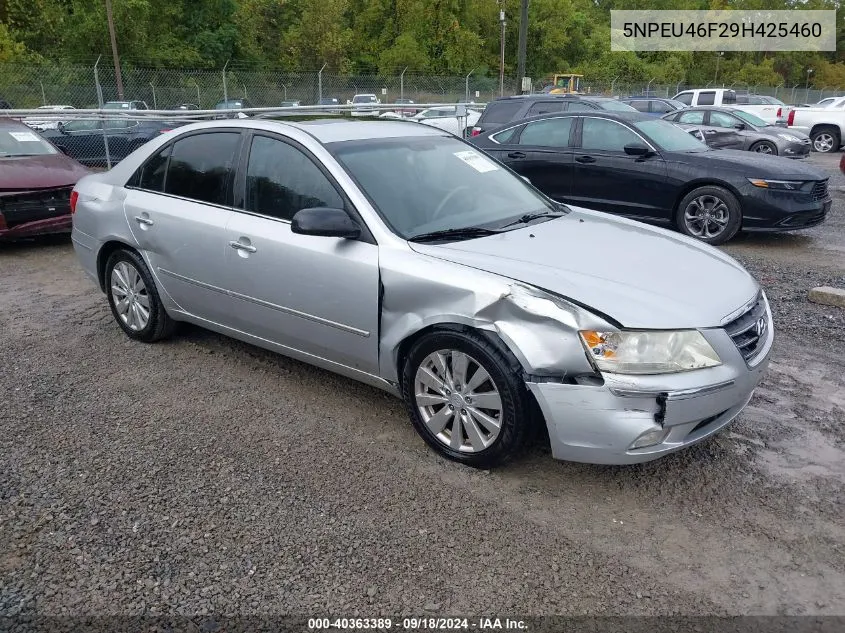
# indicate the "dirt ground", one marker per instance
pixel 202 475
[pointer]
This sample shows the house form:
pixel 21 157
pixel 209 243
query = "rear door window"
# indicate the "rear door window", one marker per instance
pixel 707 97
pixel 693 118
pixel 547 133
pixel 639 106
pixel 545 107
pixel 661 107
pixel 605 135
pixel 201 165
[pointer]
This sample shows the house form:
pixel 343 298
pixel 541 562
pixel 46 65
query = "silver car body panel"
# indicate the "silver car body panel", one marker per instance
pixel 350 305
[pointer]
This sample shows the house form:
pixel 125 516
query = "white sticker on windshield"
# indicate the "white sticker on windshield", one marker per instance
pixel 476 161
pixel 24 136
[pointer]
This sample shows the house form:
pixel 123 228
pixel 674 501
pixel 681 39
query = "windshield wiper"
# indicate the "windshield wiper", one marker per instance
pixel 529 217
pixel 466 233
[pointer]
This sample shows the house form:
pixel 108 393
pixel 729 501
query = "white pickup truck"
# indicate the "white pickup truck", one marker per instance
pixel 824 125
pixel 769 109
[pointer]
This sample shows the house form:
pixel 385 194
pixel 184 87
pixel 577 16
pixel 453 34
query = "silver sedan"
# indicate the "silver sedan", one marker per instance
pixel 402 257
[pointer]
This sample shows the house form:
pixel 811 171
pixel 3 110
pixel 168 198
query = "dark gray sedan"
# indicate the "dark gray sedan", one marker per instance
pixel 756 134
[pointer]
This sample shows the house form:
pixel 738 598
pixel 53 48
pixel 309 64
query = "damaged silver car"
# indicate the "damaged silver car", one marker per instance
pixel 400 256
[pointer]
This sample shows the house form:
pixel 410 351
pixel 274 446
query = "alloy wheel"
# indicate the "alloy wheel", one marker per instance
pixel 458 401
pixel 763 148
pixel 823 142
pixel 706 216
pixel 131 299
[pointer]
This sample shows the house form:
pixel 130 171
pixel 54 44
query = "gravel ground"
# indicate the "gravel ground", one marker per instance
pixel 206 476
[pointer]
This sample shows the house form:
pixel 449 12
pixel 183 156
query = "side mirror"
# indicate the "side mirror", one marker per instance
pixel 61 128
pixel 325 222
pixel 637 149
pixel 739 126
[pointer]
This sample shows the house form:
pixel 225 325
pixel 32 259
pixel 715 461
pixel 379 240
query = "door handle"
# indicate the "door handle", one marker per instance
pixel 140 219
pixel 238 246
pixel 585 159
pixel 516 154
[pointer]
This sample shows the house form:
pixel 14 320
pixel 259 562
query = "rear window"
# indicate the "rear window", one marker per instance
pixel 684 97
pixel 545 107
pixel 639 106
pixel 729 96
pixel 501 111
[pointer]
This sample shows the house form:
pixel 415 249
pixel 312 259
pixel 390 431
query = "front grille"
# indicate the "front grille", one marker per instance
pixel 819 191
pixel 749 329
pixel 28 206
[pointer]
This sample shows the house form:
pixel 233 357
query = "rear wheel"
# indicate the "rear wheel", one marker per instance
pixel 466 398
pixel 825 139
pixel 711 214
pixel 134 300
pixel 765 147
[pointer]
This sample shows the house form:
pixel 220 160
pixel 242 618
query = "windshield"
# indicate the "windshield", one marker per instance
pixel 425 184
pixel 750 118
pixel 23 143
pixel 613 104
pixel 670 137
pixel 364 99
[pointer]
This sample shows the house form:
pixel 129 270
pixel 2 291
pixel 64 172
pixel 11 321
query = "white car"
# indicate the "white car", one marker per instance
pixel 361 101
pixel 47 124
pixel 445 118
pixel 825 125
pixel 769 109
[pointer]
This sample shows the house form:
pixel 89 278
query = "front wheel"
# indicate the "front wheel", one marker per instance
pixel 711 214
pixel 466 398
pixel 764 147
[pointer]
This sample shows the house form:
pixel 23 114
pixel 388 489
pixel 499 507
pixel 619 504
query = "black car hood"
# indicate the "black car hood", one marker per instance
pixel 750 164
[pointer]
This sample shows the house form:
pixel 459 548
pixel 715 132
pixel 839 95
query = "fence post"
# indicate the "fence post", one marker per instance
pixel 43 96
pixel 466 98
pixel 155 103
pixel 320 83
pixel 613 86
pixel 225 89
pixel 792 98
pixel 402 83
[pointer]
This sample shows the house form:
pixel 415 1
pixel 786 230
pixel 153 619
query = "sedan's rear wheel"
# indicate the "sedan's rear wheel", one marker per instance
pixel 711 214
pixel 134 299
pixel 765 147
pixel 466 398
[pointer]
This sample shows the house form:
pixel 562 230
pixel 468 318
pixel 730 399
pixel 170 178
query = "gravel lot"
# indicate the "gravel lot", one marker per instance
pixel 205 476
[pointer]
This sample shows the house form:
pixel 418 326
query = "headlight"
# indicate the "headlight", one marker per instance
pixel 782 185
pixel 649 351
pixel 790 138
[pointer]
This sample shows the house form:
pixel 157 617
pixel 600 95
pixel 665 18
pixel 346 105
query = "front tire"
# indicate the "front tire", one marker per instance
pixel 466 398
pixel 134 299
pixel 825 140
pixel 711 214
pixel 764 147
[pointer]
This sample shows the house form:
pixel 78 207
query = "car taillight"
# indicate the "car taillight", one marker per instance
pixel 163 131
pixel 791 118
pixel 475 131
pixel 780 112
pixel 74 196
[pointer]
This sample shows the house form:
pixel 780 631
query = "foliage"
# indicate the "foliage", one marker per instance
pixel 443 37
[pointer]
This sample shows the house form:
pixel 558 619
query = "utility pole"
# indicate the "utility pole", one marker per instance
pixel 117 76
pixel 502 51
pixel 523 41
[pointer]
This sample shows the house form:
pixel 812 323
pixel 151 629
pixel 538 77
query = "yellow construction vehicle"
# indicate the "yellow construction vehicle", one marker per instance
pixel 565 84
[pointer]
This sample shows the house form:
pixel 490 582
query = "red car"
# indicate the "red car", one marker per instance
pixel 842 164
pixel 36 180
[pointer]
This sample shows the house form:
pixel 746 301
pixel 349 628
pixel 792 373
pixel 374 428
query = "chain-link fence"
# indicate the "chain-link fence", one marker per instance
pixel 26 86
pixel 160 89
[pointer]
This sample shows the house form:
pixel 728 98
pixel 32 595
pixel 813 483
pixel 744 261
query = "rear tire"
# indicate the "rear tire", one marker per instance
pixel 134 299
pixel 466 398
pixel 825 139
pixel 711 214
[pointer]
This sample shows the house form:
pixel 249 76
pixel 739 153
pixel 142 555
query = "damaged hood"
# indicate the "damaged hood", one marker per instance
pixel 641 276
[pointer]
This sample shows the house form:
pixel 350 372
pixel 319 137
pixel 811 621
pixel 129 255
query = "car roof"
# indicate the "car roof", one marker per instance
pixel 332 130
pixel 644 98
pixel 12 124
pixel 630 117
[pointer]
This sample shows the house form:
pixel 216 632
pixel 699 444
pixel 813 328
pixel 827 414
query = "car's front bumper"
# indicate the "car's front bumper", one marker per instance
pixel 788 149
pixel 598 423
pixel 770 210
